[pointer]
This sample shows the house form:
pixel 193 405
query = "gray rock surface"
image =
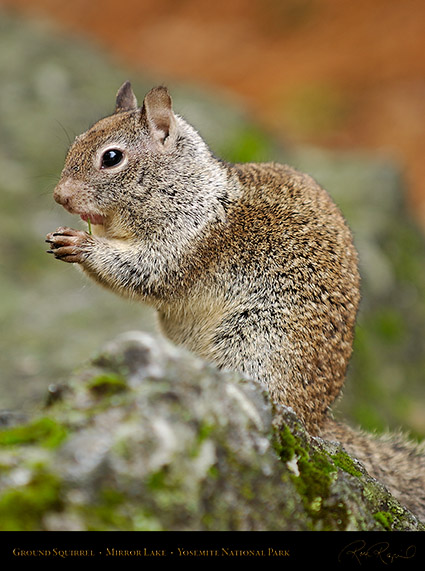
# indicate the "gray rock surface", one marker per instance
pixel 148 437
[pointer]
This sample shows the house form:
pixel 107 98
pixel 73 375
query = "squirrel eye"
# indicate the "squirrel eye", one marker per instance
pixel 111 158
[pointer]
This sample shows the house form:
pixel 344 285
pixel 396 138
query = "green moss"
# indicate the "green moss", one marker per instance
pixel 208 521
pixel 205 430
pixel 107 514
pixel 285 444
pixel 315 476
pixel 107 384
pixel 213 472
pixel 343 461
pixel 23 508
pixel 43 431
pixel 157 481
pixel 385 519
pixel 393 517
pixel 314 479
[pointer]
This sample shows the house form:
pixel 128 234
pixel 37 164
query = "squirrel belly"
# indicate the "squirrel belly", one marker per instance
pixel 250 266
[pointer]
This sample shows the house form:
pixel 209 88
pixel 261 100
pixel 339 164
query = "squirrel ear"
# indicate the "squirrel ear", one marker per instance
pixel 126 100
pixel 157 113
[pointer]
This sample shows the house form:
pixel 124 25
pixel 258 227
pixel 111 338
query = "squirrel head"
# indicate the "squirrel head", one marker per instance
pixel 138 169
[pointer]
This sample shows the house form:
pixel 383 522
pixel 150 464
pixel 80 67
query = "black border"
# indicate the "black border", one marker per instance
pixel 287 550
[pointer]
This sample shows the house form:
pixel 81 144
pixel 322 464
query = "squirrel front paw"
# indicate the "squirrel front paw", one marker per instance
pixel 69 245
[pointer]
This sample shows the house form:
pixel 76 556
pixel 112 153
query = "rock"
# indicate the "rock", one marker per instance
pixel 148 437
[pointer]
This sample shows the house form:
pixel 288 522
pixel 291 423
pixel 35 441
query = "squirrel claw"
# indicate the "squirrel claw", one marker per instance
pixel 68 245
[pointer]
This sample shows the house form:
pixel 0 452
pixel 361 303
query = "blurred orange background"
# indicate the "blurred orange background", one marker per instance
pixel 335 73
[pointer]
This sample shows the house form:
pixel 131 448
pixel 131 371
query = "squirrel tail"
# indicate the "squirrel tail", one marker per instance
pixel 391 459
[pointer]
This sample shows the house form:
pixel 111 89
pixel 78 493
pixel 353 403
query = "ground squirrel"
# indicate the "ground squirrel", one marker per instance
pixel 250 266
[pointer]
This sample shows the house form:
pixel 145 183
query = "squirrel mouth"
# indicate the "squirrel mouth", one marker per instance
pixel 96 219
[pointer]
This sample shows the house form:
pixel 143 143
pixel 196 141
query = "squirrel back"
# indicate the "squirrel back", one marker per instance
pixel 250 266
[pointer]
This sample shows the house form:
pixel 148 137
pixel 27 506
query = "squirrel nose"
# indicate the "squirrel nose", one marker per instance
pixel 63 193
